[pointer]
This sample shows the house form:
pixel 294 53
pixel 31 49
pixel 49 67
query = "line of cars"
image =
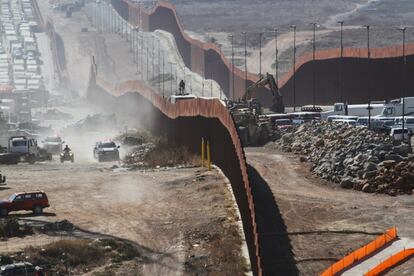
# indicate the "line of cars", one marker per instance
pixel 19 55
pixel 389 125
pixel 26 149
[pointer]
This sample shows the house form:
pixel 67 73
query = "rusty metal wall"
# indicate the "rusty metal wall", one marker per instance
pixel 186 123
pixel 378 79
pixel 198 56
pixel 163 16
pixel 58 51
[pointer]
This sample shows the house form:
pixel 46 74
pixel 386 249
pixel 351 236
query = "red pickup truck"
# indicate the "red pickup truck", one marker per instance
pixel 28 201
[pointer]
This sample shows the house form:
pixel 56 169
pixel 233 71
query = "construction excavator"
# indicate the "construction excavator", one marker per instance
pixel 267 81
pixel 254 128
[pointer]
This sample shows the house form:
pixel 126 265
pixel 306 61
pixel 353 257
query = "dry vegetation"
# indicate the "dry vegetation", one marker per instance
pixel 10 227
pixel 147 151
pixel 80 256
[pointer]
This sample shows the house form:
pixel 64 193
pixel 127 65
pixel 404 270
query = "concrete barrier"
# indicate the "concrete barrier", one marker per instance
pixel 391 262
pixel 361 253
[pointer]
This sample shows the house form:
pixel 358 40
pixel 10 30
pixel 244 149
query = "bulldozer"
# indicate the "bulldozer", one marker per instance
pixel 255 128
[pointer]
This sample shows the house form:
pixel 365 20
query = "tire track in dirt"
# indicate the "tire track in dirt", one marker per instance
pixel 308 204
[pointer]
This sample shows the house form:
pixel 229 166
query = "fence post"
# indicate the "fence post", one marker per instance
pixel 202 152
pixel 208 156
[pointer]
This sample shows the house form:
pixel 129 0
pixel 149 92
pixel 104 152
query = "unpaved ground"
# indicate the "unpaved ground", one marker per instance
pixel 308 204
pixel 169 213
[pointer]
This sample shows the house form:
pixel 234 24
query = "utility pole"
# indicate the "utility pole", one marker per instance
pixel 163 74
pixel 153 57
pixel 245 60
pixel 341 85
pixel 368 27
pixel 211 84
pixel 294 67
pixel 176 78
pixel 139 63
pixel 314 64
pixel 147 54
pixel 172 77
pixel 260 54
pixel 159 63
pixel 404 79
pixel 232 65
pixel 276 59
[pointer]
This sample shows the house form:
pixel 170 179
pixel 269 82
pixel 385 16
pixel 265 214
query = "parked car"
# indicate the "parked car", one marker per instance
pixel 106 151
pixel 27 201
pixel 399 134
pixel 346 121
pixel 20 269
pixel 283 123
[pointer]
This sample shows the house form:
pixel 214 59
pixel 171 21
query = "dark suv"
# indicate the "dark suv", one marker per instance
pixel 29 201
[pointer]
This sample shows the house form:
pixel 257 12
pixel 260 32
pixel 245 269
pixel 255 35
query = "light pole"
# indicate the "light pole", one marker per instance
pixel 245 60
pixel 276 59
pixel 139 59
pixel 163 74
pixel 314 63
pixel 176 78
pixel 368 27
pixel 260 54
pixel 211 84
pixel 147 54
pixel 232 65
pixel 294 67
pixel 153 57
pixel 159 63
pixel 341 88
pixel 172 77
pixel 404 68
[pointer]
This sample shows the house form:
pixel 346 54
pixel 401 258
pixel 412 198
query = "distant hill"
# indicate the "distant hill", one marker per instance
pixel 215 20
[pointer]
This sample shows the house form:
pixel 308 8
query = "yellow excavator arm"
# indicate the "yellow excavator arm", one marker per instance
pixel 267 81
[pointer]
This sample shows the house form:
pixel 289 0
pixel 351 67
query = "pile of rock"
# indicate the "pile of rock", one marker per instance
pixel 354 157
pixel 137 155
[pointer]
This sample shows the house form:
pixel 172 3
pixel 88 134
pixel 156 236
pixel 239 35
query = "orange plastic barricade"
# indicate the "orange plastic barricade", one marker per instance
pixel 390 262
pixel 361 253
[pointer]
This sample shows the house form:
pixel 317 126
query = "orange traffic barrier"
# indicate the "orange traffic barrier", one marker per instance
pixel 361 253
pixel 390 262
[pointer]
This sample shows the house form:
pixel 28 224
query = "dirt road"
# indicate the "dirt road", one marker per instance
pixel 303 203
pixel 167 213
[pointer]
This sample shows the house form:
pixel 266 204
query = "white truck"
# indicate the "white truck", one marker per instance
pixel 24 147
pixel 359 110
pixel 394 108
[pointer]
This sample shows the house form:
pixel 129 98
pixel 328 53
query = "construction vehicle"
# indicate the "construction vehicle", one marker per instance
pixel 253 126
pixel 254 129
pixel 395 107
pixel 267 81
pixel 360 110
pixel 25 147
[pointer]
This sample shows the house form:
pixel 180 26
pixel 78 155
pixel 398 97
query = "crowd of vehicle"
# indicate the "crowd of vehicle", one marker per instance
pixel 256 127
pixel 19 54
